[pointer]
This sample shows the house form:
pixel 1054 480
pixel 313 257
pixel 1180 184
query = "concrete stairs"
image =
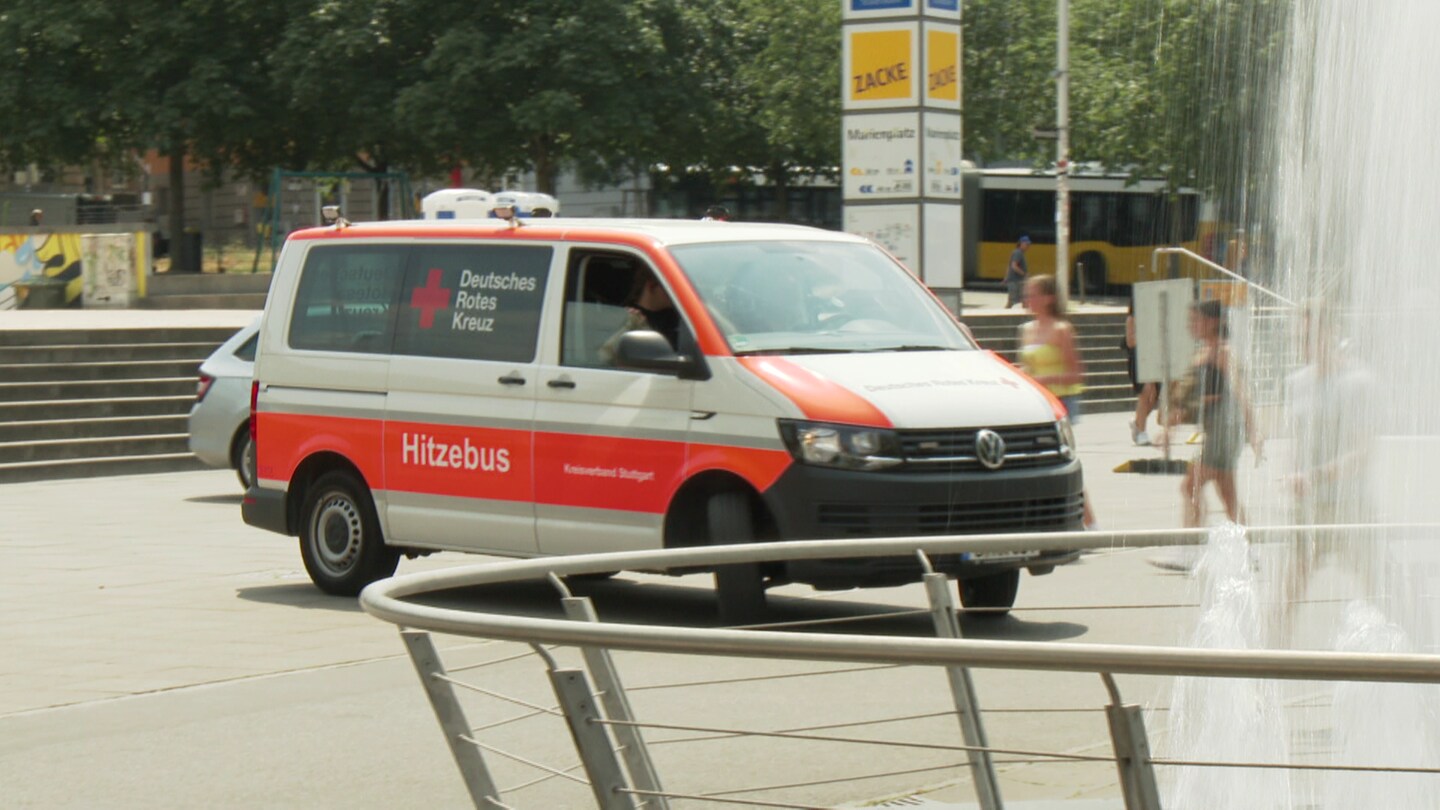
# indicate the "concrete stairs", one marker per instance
pixel 1107 384
pixel 78 403
pixel 205 291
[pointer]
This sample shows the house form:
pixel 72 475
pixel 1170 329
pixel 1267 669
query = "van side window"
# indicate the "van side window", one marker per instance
pixel 606 295
pixel 347 298
pixel 473 302
pixel 597 290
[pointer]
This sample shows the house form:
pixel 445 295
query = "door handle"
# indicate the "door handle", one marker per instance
pixel 513 378
pixel 561 383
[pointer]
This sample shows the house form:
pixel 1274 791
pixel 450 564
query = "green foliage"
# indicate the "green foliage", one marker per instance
pixel 1169 87
pixel 1008 55
pixel 1179 89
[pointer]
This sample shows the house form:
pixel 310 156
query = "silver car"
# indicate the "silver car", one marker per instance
pixel 220 419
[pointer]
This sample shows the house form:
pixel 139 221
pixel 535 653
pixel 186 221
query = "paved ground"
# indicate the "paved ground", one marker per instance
pixel 159 653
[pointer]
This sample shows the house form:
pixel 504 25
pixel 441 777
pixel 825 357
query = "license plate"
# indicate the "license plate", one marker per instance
pixel 1001 556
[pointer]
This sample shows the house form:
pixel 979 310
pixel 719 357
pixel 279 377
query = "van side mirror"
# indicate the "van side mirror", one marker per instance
pixel 644 350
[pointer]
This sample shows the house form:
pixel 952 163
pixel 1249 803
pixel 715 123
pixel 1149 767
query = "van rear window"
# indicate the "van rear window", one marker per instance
pixel 347 298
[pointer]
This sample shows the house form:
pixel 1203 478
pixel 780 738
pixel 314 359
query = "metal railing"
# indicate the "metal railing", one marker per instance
pixel 608 737
pixel 1221 269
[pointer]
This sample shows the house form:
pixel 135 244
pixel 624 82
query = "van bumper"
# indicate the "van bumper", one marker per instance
pixel 265 509
pixel 815 503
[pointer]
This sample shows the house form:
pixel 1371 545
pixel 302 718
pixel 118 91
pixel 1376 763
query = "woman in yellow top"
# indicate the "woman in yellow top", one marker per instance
pixel 1047 345
pixel 1049 355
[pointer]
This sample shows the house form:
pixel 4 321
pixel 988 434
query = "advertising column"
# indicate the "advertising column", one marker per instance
pixel 901 134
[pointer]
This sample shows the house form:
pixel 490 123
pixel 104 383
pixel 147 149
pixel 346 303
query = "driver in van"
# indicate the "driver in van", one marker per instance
pixel 650 309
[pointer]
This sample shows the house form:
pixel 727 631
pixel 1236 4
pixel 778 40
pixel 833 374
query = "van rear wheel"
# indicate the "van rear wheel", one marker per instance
pixel 340 538
pixel 739 588
pixel 242 456
pixel 992 595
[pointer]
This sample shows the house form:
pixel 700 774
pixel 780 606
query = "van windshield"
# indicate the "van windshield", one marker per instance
pixel 815 297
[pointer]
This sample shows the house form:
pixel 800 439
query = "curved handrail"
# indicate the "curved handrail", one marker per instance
pixel 386 600
pixel 1190 254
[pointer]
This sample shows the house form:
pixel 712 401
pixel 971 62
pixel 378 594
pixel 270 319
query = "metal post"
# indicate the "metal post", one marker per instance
pixel 967 708
pixel 1164 392
pixel 607 778
pixel 452 718
pixel 1132 751
pixel 1062 153
pixel 617 706
pixel 1080 279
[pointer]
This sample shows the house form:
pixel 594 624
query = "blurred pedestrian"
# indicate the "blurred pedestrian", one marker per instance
pixel 37 218
pixel 1328 409
pixel 1146 394
pixel 1049 352
pixel 1017 272
pixel 716 213
pixel 1223 412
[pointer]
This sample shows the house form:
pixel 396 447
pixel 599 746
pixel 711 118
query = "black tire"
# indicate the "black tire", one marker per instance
pixel 740 588
pixel 991 595
pixel 242 456
pixel 340 539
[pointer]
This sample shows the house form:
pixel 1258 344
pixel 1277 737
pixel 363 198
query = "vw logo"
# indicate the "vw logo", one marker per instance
pixel 990 449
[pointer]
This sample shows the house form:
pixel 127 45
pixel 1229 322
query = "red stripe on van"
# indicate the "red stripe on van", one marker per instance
pixel 460 461
pixel 818 397
pixel 607 472
pixel 286 439
pixel 760 468
pixel 598 472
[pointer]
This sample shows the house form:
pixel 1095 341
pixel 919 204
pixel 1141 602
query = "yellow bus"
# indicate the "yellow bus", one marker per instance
pixel 1115 225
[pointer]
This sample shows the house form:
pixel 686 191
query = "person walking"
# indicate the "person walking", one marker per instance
pixel 1146 394
pixel 1017 272
pixel 1329 410
pixel 1224 415
pixel 1049 353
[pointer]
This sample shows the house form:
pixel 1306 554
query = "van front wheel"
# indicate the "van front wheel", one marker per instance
pixel 340 538
pixel 739 588
pixel 992 595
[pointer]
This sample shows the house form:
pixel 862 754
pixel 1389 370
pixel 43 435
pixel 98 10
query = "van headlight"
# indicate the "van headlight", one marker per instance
pixel 1067 439
pixel 843 446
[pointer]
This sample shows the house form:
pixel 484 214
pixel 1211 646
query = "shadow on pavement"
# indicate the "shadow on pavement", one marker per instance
pixel 231 500
pixel 627 601
pixel 298 594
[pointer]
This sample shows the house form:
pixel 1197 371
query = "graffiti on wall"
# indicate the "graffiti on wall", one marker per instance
pixel 109 268
pixel 25 257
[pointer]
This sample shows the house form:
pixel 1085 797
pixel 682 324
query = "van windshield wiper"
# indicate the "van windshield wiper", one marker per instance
pixel 914 348
pixel 792 350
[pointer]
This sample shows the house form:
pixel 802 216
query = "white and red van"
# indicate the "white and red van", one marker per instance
pixel 527 388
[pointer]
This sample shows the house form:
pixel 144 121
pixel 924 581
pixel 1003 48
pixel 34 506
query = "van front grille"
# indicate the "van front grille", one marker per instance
pixel 1025 446
pixel 886 520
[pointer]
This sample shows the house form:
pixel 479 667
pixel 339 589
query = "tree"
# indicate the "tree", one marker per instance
pixel 339 71
pixel 52 76
pixel 1008 57
pixel 542 84
pixel 793 78
pixel 98 81
pixel 1159 88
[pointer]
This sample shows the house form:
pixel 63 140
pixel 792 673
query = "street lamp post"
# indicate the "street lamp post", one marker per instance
pixel 1062 153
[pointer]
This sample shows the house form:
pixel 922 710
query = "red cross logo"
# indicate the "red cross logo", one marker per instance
pixel 430 298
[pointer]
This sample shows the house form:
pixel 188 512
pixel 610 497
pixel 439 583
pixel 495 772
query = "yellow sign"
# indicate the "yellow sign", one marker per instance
pixel 1229 293
pixel 880 65
pixel 942 65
